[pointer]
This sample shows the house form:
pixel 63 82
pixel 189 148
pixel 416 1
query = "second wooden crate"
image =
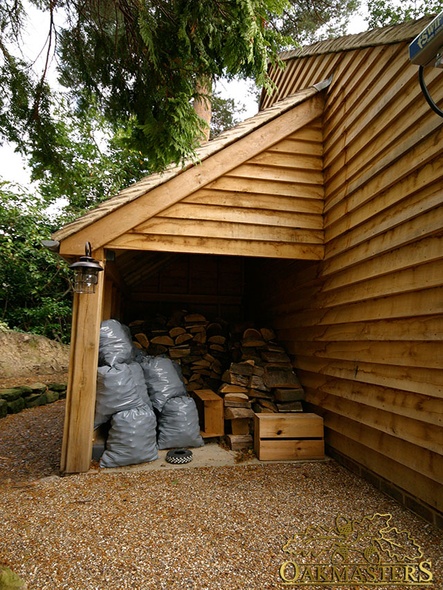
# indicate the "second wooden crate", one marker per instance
pixel 210 412
pixel 283 437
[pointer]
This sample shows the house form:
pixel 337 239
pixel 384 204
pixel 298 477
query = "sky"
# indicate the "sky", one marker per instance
pixel 13 168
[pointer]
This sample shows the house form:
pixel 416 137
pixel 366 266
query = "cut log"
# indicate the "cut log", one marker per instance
pixel 196 329
pixel 182 338
pixel 280 377
pixel 194 386
pixel 194 377
pixel 174 332
pixel 276 357
pixel 258 409
pixel 217 339
pixel 226 388
pixel 199 337
pixel 156 349
pixel 234 379
pixel 252 334
pixel 289 395
pixel 290 407
pixel 236 404
pixel 258 370
pixel 246 368
pixel 203 371
pixel 237 397
pixel 268 405
pixel 179 352
pixel 267 333
pixel 164 340
pixel 273 347
pixel 201 363
pixel 253 343
pixel 216 366
pixel 238 442
pixel 217 348
pixel 240 426
pixel 234 413
pixel 255 393
pixel 257 382
pixel 142 339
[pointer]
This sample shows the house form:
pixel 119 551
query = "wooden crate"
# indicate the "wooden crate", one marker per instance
pixel 288 437
pixel 210 412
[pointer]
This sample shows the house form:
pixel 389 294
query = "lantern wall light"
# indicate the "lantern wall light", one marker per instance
pixel 86 272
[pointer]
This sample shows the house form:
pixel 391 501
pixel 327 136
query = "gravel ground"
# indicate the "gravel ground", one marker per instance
pixel 186 529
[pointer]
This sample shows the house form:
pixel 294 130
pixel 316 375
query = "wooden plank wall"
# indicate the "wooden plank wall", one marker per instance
pixel 365 325
pixel 269 206
pixel 211 285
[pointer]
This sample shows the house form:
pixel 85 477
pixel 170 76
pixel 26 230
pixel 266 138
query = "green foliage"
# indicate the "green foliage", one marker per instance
pixel 96 161
pixel 143 61
pixel 224 115
pixel 383 13
pixel 25 98
pixel 34 283
pixel 136 67
pixel 308 21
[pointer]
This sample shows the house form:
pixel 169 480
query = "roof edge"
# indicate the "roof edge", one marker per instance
pixel 384 36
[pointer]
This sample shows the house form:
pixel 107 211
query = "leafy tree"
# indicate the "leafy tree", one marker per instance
pixel 130 72
pixel 140 65
pixel 35 292
pixel 307 21
pixel 94 161
pixel 382 13
pixel 139 61
pixel 225 114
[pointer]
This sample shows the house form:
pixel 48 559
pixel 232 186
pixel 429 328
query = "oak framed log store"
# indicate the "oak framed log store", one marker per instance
pixel 322 216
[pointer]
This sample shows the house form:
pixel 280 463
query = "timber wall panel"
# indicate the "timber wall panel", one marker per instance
pixel 364 325
pixel 271 206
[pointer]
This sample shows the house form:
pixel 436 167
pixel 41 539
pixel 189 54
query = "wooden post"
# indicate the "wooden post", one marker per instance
pixel 82 378
pixel 108 299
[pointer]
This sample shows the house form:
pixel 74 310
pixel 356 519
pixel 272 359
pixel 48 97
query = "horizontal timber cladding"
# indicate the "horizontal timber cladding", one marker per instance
pixel 279 154
pixel 364 325
pixel 271 205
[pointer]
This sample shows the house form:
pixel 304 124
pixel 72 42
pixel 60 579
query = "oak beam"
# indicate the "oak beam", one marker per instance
pixel 80 399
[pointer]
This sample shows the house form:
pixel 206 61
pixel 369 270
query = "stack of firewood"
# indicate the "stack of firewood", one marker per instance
pixel 199 346
pixel 246 367
pixel 264 373
pixel 263 380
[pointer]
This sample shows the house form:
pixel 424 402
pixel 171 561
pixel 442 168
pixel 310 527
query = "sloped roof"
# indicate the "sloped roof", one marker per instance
pixel 383 36
pixel 147 184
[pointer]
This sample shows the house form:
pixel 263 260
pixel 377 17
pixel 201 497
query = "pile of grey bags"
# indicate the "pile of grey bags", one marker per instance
pixel 145 399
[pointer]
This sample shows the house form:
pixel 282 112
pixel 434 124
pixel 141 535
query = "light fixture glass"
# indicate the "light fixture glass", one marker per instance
pixel 86 272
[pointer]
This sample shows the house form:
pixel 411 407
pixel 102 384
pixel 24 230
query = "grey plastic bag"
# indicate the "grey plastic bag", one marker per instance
pixel 116 391
pixel 163 380
pixel 131 438
pixel 140 383
pixel 178 424
pixel 115 343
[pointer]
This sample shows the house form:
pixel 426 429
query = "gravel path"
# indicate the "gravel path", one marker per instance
pixel 187 529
